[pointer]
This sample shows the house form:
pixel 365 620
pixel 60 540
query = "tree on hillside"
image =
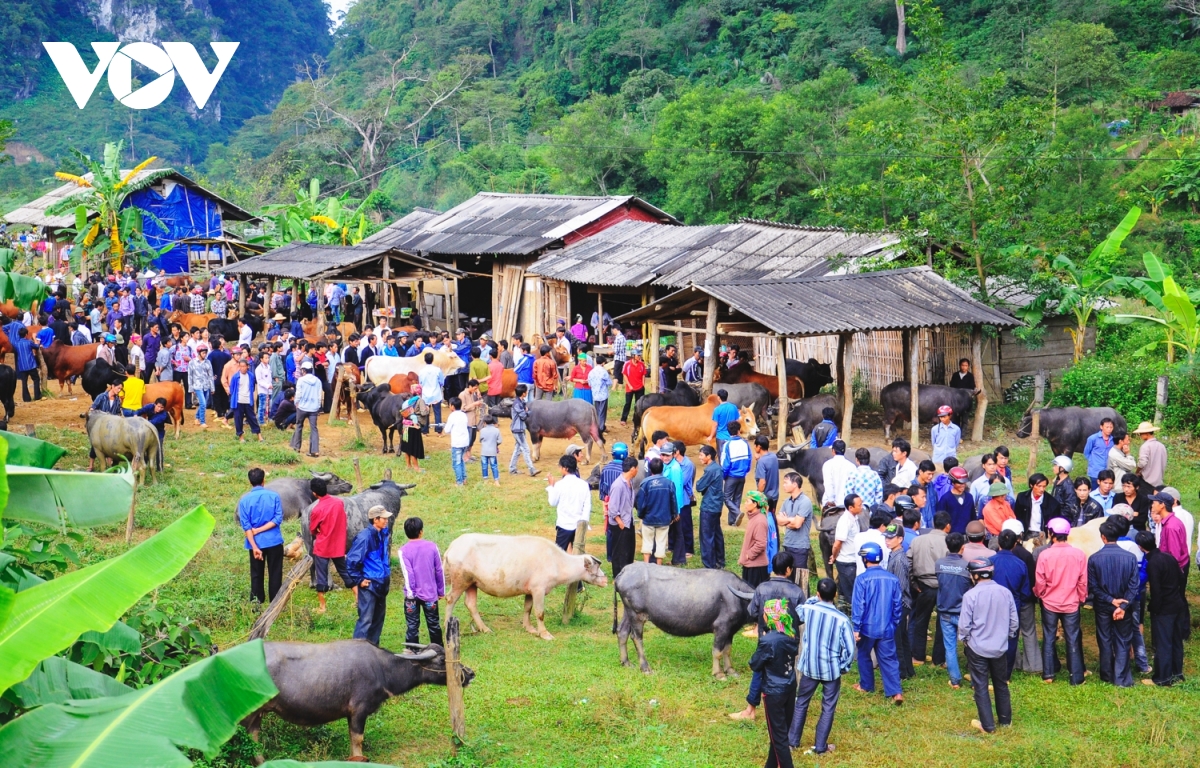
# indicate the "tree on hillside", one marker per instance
pixel 597 145
pixel 1067 61
pixel 901 28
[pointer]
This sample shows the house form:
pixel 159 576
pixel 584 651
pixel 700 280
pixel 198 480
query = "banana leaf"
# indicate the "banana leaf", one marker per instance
pixel 196 708
pixel 14 577
pixel 8 257
pixel 7 599
pixel 57 680
pixel 58 499
pixel 121 637
pixel 22 290
pixel 31 452
pixel 3 478
pixel 47 618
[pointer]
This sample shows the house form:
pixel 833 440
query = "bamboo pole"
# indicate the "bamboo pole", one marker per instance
pixel 781 373
pixel 132 508
pixel 981 402
pixel 845 349
pixel 1039 397
pixel 710 348
pixel 913 387
pixel 577 548
pixel 454 685
pixel 1160 400
pixel 358 475
pixel 652 359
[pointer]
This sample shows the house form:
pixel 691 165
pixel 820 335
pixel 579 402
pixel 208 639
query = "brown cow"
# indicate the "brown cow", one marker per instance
pixel 746 375
pixel 689 423
pixel 187 321
pixel 401 383
pixel 10 310
pixel 345 374
pixel 5 346
pixel 172 392
pixel 64 361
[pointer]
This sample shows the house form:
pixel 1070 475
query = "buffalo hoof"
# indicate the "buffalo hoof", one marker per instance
pixel 720 675
pixel 646 670
pixel 731 673
pixel 626 663
pixel 545 635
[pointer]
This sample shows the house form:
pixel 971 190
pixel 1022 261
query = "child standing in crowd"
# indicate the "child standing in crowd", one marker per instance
pixel 489 448
pixel 424 584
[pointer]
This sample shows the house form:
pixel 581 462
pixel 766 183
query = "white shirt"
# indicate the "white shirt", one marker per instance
pixel 1035 512
pixel 906 475
pixel 245 335
pixel 835 473
pixel 1189 523
pixel 430 377
pixel 871 534
pixel 137 358
pixel 456 426
pixel 572 497
pixel 847 532
pixel 87 332
pixel 262 378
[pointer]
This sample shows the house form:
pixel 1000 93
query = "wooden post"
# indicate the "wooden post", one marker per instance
pixel 981 401
pixel 914 386
pixel 710 348
pixel 651 357
pixel 319 287
pixel 577 548
pixel 358 475
pixel 1160 402
pixel 337 398
pixel 387 288
pixel 600 317
pixel 354 409
pixel 781 373
pixel 454 687
pixel 132 507
pixel 266 309
pixel 241 296
pixel 1039 397
pixel 845 347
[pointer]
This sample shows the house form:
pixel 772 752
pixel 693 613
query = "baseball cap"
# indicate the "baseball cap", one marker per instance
pixel 893 531
pixel 377 511
pixel 572 450
pixel 1170 491
pixel 1059 526
pixel 759 498
pixel 1064 462
pixel 945 410
pixel 958 475
pixel 1165 498
pixel 306 365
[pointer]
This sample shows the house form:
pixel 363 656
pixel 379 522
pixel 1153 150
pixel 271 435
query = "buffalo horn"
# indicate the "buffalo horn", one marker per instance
pixel 741 594
pixel 422 656
pixel 406 486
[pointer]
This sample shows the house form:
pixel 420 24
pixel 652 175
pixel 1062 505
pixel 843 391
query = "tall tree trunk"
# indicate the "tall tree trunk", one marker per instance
pixel 901 43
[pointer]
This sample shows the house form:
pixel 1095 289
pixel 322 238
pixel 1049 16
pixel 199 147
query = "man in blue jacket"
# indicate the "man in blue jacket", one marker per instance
pixel 1010 572
pixel 369 564
pixel 735 463
pixel 657 506
pixel 953 582
pixel 876 607
pixel 1096 450
pixel 260 513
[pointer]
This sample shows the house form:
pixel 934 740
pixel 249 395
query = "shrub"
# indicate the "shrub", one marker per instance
pixel 1130 386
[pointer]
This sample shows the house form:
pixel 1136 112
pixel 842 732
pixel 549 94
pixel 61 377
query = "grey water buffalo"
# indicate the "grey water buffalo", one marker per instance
pixel 507 566
pixel 557 418
pixel 683 603
pixel 682 394
pixel 752 396
pixel 806 414
pixel 295 494
pixel 322 682
pixel 133 438
pixel 808 462
pixel 385 493
pixel 896 399
pixel 1068 428
pixel 385 409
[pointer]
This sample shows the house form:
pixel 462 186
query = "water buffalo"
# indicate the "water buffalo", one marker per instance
pixel 806 414
pixel 385 409
pixel 683 603
pixel 227 328
pixel 752 396
pixel 808 462
pixel 295 494
pixel 385 493
pixel 507 566
pixel 98 374
pixel 133 438
pixel 744 373
pixel 1068 428
pixel 557 418
pixel 682 394
pixel 896 399
pixel 814 375
pixel 690 424
pixel 322 682
pixel 8 390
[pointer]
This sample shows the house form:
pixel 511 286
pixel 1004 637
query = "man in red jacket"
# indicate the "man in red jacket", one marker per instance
pixel 634 373
pixel 328 526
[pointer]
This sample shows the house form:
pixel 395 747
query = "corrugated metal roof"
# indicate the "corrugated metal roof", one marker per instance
pixel 305 261
pixel 634 253
pixel 894 299
pixel 491 222
pixel 34 212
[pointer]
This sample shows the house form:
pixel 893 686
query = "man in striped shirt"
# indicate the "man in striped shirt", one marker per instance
pixel 825 656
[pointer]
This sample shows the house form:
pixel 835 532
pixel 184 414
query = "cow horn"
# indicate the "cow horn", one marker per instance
pixel 742 595
pixel 422 656
pixel 406 486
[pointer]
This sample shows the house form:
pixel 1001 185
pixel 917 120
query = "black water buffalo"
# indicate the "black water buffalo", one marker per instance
pixel 806 414
pixel 814 375
pixel 557 418
pixel 808 462
pixel 683 603
pixel 385 409
pixel 8 390
pixel 322 682
pixel 227 329
pixel 896 399
pixel 1068 428
pixel 98 374
pixel 683 394
pixel 295 494
pixel 752 396
pixel 385 493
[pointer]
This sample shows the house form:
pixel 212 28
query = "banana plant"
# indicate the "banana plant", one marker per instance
pixel 310 220
pixel 1151 290
pixel 1178 320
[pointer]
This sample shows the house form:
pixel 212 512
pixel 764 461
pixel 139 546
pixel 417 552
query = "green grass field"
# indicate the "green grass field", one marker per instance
pixel 568 702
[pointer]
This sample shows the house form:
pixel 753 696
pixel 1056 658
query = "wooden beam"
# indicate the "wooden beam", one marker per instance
pixel 241 296
pixel 710 349
pixel 652 359
pixel 600 317
pixel 781 373
pixel 1039 397
pixel 914 387
pixel 846 387
pixel 319 287
pixel 454 684
pixel 267 313
pixel 981 400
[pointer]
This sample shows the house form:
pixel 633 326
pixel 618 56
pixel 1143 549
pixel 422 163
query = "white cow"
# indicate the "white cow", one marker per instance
pixel 380 368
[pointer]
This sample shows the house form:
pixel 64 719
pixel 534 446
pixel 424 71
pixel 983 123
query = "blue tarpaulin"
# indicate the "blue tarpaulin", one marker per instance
pixel 183 213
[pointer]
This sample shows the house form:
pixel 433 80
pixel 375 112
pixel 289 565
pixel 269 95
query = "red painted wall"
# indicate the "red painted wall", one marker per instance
pixel 626 212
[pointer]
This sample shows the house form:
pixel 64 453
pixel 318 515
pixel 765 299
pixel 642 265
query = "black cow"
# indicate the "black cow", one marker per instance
pixel 808 462
pixel 227 329
pixel 896 399
pixel 683 394
pixel 385 409
pixel 98 374
pixel 814 375
pixel 8 390
pixel 1068 428
pixel 806 414
pixel 322 682
pixel 557 418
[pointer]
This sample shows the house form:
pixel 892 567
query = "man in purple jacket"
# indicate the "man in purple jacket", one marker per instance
pixel 424 584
